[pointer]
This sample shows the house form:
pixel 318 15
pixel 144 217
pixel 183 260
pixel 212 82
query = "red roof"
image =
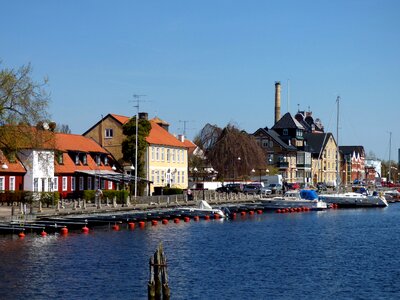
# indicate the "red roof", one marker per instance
pixel 121 119
pixel 74 142
pixel 159 136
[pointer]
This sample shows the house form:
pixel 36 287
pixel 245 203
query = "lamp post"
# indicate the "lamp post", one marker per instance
pixel 132 168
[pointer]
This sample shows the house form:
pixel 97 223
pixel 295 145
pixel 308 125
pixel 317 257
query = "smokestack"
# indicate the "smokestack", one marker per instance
pixel 277 101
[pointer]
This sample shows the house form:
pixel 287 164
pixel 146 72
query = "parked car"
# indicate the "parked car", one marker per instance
pixel 293 186
pixel 265 191
pixel 252 188
pixel 230 188
pixel 275 188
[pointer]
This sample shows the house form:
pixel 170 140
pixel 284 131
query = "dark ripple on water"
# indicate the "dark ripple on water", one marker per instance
pixel 334 254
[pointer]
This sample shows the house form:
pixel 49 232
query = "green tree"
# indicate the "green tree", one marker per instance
pixel 129 145
pixel 23 104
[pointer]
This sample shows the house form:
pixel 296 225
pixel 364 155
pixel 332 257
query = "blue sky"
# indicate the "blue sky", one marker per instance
pixel 215 61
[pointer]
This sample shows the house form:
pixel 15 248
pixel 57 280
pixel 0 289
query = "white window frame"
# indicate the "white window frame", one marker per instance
pixel 108 133
pixel 152 153
pixel 89 183
pixel 11 183
pixel 168 155
pixel 162 150
pixel 49 183
pixel 183 177
pixel 65 183
pixel 110 185
pixel 173 155
pixel 2 183
pixel 157 154
pixel 179 177
pixel 55 184
pixel 35 184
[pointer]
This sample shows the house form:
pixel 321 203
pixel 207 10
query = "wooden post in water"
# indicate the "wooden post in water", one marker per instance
pixel 158 282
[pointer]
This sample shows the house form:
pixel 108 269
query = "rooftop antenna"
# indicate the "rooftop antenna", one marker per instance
pixel 288 95
pixel 184 126
pixel 137 100
pixel 298 107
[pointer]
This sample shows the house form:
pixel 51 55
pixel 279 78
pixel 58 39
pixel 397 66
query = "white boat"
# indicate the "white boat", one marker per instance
pixel 295 199
pixel 203 208
pixel 352 199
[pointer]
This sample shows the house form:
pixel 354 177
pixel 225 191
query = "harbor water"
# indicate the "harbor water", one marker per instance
pixel 340 254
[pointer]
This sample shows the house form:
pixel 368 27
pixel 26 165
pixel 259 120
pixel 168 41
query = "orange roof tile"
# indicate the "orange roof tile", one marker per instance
pixel 69 165
pixel 121 119
pixel 75 142
pixel 159 136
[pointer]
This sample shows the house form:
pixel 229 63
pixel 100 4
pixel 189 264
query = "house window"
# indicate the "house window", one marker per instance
pixel 73 183
pixel 152 176
pixel 106 160
pixel 103 184
pixel 285 132
pixel 110 185
pixel 109 133
pixel 49 184
pixel 81 183
pixel 152 153
pixel 178 156
pixel 84 159
pixel 271 144
pixel 158 176
pixel 98 160
pixel 77 159
pixel 89 183
pixel 35 184
pixel 12 183
pixel 179 177
pixel 55 184
pixel 183 177
pixel 162 153
pixel 2 183
pixel 173 155
pixel 168 155
pixel 64 183
pixel 157 154
pixel 60 158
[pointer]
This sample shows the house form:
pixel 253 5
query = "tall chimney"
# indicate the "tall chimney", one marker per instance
pixel 277 101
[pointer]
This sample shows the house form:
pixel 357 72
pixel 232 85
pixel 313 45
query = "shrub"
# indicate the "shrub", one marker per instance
pixel 172 191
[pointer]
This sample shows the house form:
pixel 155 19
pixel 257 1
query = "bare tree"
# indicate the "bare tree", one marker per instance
pixel 63 128
pixel 231 152
pixel 23 103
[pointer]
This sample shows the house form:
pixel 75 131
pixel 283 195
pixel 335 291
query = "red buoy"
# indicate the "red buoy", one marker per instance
pixel 233 215
pixel 85 229
pixel 251 212
pixel 186 219
pixel 176 220
pixel 278 211
pixel 64 230
pixel 196 218
pixel 216 216
pixel 154 222
pixel 206 217
pixel 131 225
pixel 142 224
pixel 115 227
pixel 259 211
pixel 242 213
pixel 43 233
pixel 21 234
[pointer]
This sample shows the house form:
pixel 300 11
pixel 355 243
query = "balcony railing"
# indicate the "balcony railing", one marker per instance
pixel 283 165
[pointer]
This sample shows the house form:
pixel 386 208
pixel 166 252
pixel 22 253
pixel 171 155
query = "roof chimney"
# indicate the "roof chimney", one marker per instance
pixel 277 101
pixel 143 116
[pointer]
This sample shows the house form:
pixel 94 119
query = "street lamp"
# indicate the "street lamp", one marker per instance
pixel 132 168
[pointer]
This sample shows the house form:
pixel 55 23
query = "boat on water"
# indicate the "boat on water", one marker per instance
pixel 295 199
pixel 202 209
pixel 353 199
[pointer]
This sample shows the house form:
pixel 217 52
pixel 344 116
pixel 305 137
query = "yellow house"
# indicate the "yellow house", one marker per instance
pixel 324 151
pixel 166 159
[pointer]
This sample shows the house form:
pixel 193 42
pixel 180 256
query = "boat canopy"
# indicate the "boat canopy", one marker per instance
pixel 308 194
pixel 204 205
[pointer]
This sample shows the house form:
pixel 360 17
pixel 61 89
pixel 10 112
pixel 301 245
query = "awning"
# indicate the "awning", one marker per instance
pixel 112 176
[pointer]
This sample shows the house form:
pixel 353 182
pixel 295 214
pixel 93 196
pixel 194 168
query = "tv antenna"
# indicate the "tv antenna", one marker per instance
pixel 184 126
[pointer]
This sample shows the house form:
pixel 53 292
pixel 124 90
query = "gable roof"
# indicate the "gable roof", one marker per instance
pixel 346 150
pixel 287 122
pixel 120 119
pixel 159 136
pixel 79 143
pixel 275 136
pixel 317 141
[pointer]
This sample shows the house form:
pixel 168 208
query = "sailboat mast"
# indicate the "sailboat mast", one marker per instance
pixel 390 150
pixel 337 145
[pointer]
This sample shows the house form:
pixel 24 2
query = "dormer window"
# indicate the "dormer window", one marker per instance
pixel 77 159
pixel 84 158
pixel 285 132
pixel 106 160
pixel 299 132
pixel 60 158
pixel 98 160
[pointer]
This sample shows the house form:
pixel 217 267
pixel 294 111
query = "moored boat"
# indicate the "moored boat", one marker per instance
pixel 353 199
pixel 295 199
